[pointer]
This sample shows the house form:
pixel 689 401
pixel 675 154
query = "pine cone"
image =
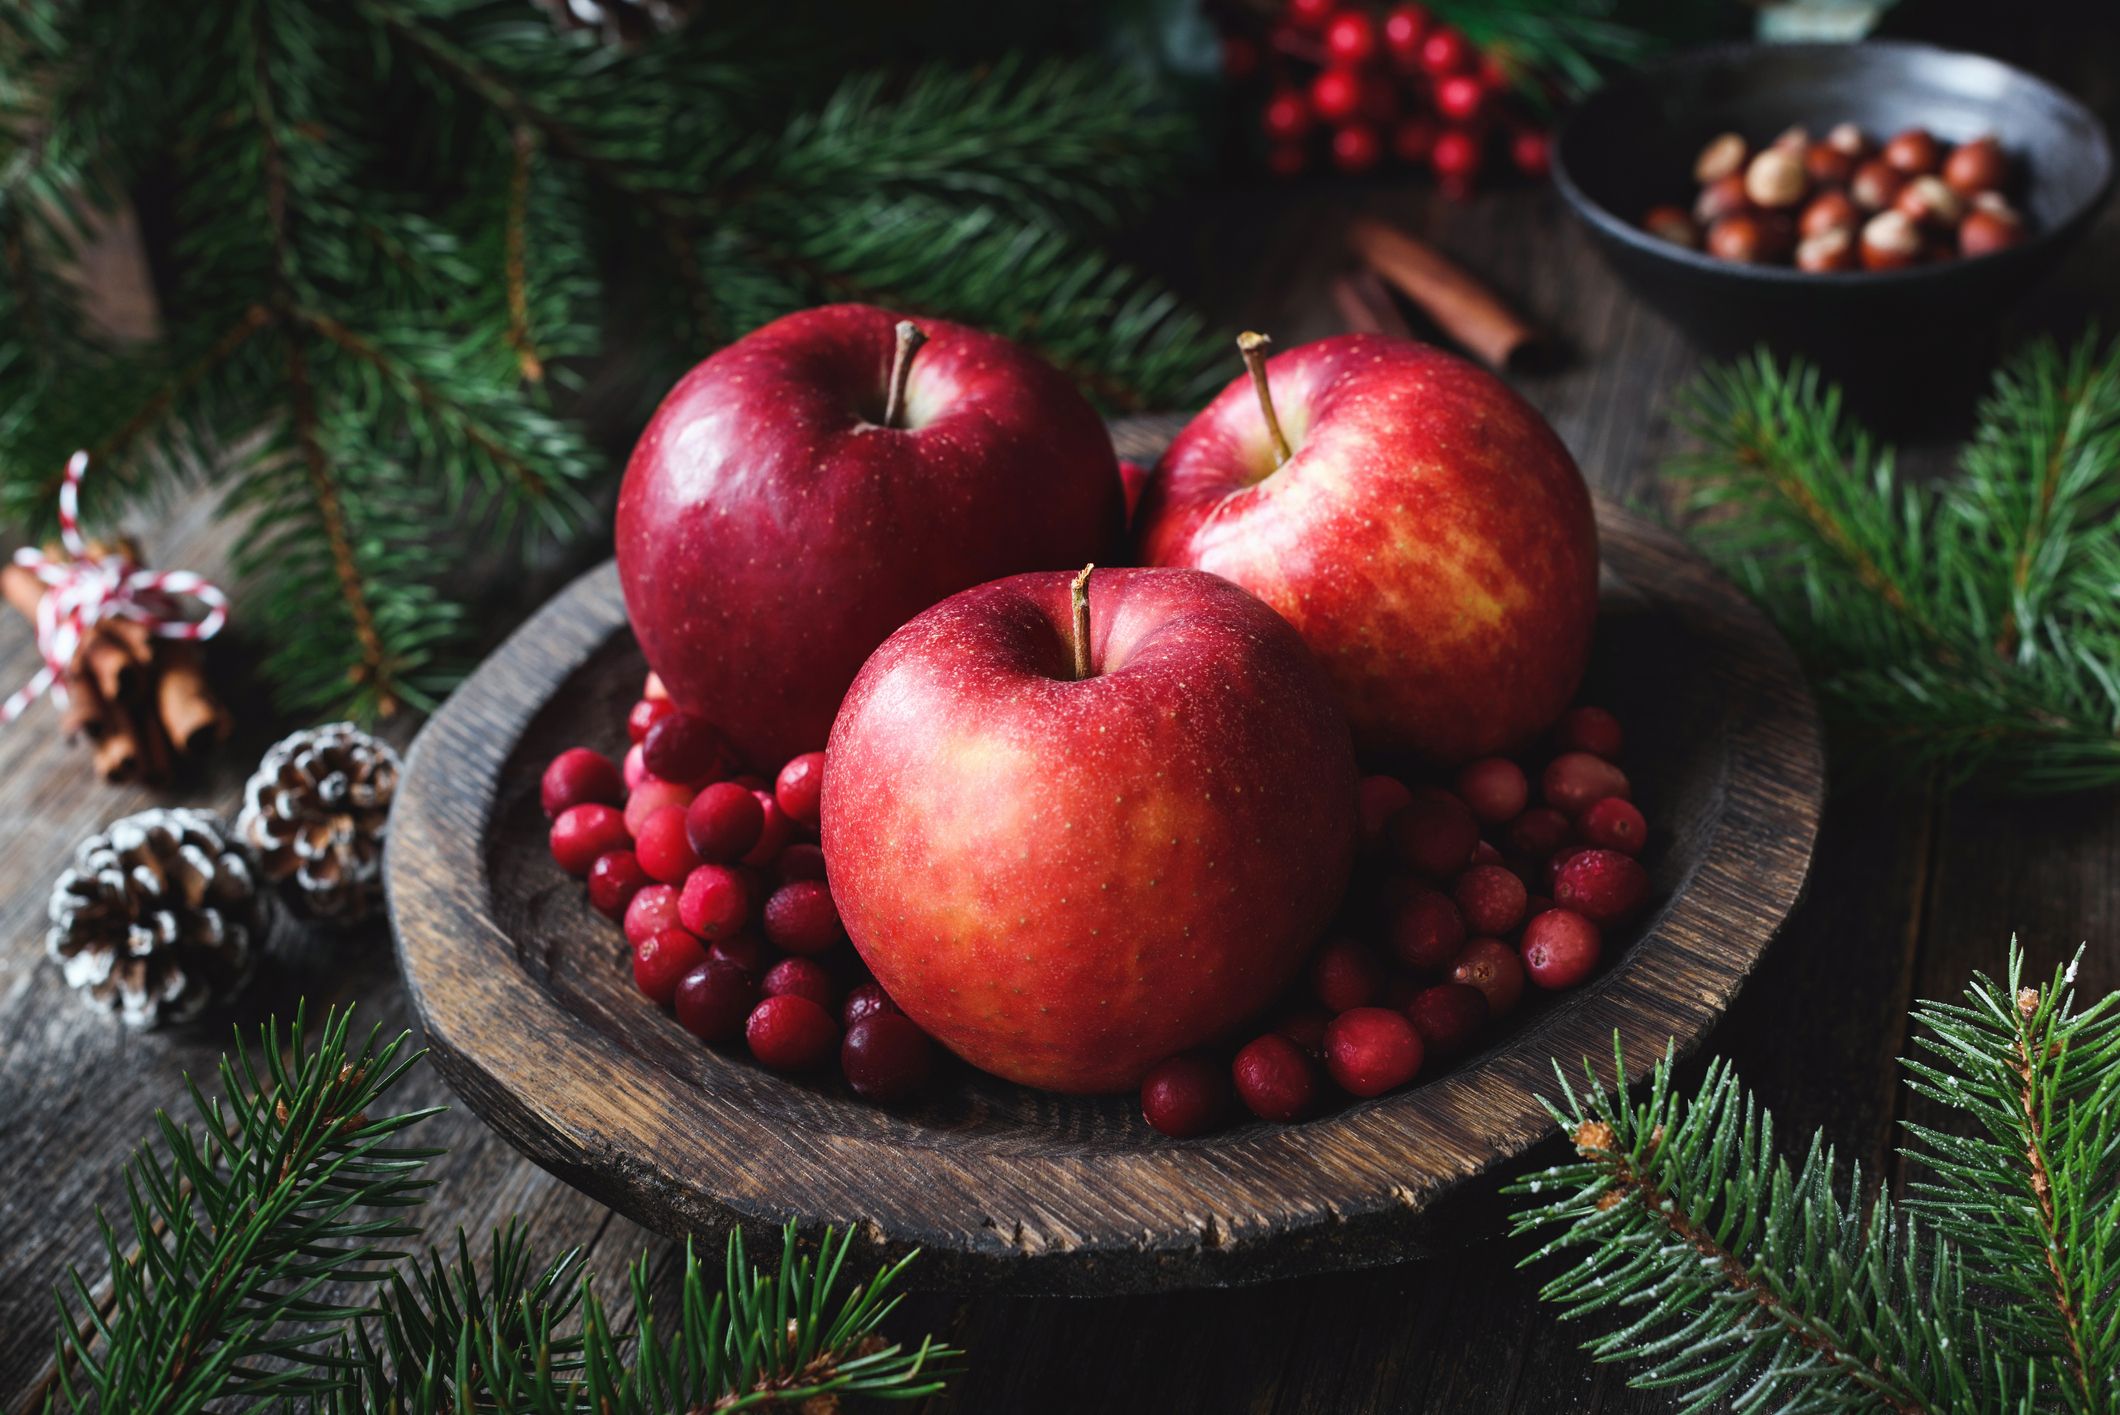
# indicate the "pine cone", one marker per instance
pixel 315 812
pixel 157 917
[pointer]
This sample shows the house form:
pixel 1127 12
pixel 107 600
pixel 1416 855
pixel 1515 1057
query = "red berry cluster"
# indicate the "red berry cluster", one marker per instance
pixel 1364 85
pixel 1466 891
pixel 720 885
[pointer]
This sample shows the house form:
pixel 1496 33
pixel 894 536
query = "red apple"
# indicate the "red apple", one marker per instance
pixel 806 490
pixel 1067 873
pixel 1424 530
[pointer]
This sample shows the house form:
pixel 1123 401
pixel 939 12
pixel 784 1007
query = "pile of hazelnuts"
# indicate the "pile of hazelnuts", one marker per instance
pixel 1841 203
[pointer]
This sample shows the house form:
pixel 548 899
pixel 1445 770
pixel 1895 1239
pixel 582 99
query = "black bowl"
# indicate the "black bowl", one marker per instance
pixel 1894 339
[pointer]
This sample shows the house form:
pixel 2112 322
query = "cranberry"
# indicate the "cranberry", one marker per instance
pixel 714 1000
pixel 790 1033
pixel 799 861
pixel 580 777
pixel 1460 97
pixel 1602 885
pixel 660 960
pixel 1336 95
pixel 1306 1028
pixel 582 833
pixel 1351 38
pixel 653 690
pixel 800 786
pixel 613 881
pixel 801 917
pixel 646 713
pixel 1448 1016
pixel 1559 858
pixel 1494 789
pixel 1589 729
pixel 804 977
pixel 1576 781
pixel 1491 899
pixel 1532 152
pixel 723 822
pixel 1378 799
pixel 1493 967
pixel 1186 1095
pixel 715 902
pixel 886 1057
pixel 683 746
pixel 1286 116
pixel 1371 1050
pixel 1404 29
pixel 1356 148
pixel 1311 14
pixel 1538 832
pixel 1427 930
pixel 1274 1079
pixel 1615 824
pixel 1345 974
pixel 774 835
pixel 635 768
pixel 652 795
pixel 653 909
pixel 1445 51
pixel 1560 948
pixel 746 951
pixel 1435 832
pixel 664 851
pixel 863 1000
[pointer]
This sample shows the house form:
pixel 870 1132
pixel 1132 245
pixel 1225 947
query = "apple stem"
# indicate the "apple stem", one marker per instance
pixel 1253 347
pixel 1080 595
pixel 910 338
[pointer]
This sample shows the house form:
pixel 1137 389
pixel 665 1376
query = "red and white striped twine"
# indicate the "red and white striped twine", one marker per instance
pixel 83 589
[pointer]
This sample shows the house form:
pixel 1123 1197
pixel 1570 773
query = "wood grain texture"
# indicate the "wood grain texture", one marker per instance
pixel 531 1009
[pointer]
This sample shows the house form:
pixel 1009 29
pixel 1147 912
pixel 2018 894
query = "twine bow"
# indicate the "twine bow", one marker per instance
pixel 83 587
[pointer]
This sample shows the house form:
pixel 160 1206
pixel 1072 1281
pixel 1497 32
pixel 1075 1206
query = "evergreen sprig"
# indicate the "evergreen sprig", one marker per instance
pixel 397 229
pixel 1968 624
pixel 1743 1283
pixel 262 1265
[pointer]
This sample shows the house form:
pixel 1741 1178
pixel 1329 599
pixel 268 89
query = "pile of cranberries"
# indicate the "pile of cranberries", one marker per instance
pixel 720 886
pixel 1362 86
pixel 1466 890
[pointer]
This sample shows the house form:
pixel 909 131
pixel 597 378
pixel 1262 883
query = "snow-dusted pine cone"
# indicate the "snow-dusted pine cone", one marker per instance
pixel 157 917
pixel 315 813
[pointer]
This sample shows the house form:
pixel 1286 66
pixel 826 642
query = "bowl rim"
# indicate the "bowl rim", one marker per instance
pixel 1616 228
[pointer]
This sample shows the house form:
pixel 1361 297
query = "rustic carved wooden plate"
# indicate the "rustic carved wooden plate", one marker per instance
pixel 531 1012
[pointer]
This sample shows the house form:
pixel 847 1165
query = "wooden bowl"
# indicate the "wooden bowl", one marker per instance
pixel 530 1007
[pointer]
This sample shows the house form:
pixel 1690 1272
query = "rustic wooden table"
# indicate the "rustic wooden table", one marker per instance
pixel 1913 889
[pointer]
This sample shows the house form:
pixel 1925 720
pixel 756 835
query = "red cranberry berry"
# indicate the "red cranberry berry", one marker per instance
pixel 1448 1016
pixel 1615 823
pixel 790 1033
pixel 654 908
pixel 646 713
pixel 613 881
pixel 801 917
pixel 1371 1050
pixel 1336 95
pixel 1491 899
pixel 864 1000
pixel 1378 799
pixel 634 770
pixel 652 795
pixel 804 977
pixel 664 851
pixel 1435 832
pixel 1589 729
pixel 1602 885
pixel 774 836
pixel 1460 97
pixel 1306 1028
pixel 716 901
pixel 660 961
pixel 1404 29
pixel 886 1057
pixel 1356 148
pixel 1427 930
pixel 582 833
pixel 1311 14
pixel 1186 1095
pixel 580 777
pixel 715 999
pixel 1274 1079
pixel 799 861
pixel 746 951
pixel 723 822
pixel 1351 38
pixel 1445 51
pixel 1538 832
pixel 1532 152
pixel 1576 781
pixel 1560 948
pixel 1494 789
pixel 800 786
pixel 683 746
pixel 1493 967
pixel 1286 116
pixel 1558 858
pixel 1345 974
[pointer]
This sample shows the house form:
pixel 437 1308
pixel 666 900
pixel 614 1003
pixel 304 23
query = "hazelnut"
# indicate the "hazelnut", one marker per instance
pixel 1722 156
pixel 1831 250
pixel 1914 152
pixel 1875 184
pixel 1671 223
pixel 1795 137
pixel 1776 177
pixel 1890 242
pixel 1827 166
pixel 1849 139
pixel 1725 196
pixel 1735 237
pixel 1830 210
pixel 1986 230
pixel 1977 166
pixel 1928 201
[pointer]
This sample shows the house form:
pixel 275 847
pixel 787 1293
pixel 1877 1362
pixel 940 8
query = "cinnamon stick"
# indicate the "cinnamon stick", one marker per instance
pixel 191 714
pixel 1463 308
